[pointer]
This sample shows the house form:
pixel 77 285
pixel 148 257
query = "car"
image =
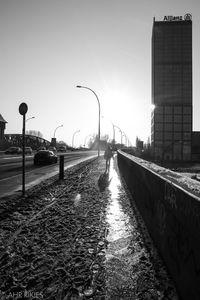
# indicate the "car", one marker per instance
pixel 41 148
pixel 28 150
pixel 61 149
pixel 52 149
pixel 13 150
pixel 45 157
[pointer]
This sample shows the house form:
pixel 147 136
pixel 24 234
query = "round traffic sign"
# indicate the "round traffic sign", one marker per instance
pixel 23 108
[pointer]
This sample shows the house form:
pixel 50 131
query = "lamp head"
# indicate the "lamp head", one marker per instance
pixel 79 86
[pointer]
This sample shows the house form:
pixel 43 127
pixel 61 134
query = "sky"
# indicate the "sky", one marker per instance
pixel 48 47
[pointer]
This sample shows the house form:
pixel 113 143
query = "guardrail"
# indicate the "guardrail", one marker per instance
pixel 172 216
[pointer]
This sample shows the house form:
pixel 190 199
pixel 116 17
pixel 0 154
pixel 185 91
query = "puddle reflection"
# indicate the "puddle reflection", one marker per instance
pixel 119 226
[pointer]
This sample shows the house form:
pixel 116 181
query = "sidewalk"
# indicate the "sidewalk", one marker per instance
pixel 87 244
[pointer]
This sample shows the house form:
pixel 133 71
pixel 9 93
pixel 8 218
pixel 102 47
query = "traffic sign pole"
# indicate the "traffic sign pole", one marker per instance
pixel 23 156
pixel 23 108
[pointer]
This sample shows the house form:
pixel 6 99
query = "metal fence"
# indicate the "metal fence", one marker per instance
pixel 30 140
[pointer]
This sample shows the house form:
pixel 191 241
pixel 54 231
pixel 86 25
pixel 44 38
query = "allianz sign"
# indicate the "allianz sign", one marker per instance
pixel 187 17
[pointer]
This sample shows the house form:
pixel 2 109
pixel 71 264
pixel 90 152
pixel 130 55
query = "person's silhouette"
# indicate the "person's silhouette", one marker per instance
pixel 108 155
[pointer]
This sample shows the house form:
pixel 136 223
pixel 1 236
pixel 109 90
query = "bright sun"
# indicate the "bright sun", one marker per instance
pixel 126 110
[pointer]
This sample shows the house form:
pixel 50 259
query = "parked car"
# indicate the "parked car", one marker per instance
pixel 41 148
pixel 28 150
pixel 13 150
pixel 45 157
pixel 61 149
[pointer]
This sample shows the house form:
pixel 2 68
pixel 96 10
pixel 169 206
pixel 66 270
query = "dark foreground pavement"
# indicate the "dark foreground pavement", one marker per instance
pixel 78 238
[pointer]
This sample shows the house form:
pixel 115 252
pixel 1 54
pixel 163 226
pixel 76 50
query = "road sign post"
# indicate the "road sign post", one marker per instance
pixel 23 108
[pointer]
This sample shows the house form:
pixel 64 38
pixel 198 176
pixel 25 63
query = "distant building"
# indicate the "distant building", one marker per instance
pixel 2 129
pixel 171 122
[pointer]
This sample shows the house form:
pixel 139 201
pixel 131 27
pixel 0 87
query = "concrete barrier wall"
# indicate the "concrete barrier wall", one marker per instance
pixel 172 217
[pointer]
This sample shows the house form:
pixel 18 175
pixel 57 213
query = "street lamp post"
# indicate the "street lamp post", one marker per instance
pixel 129 143
pixel 73 137
pixel 30 119
pixel 125 138
pixel 113 127
pixel 55 130
pixel 27 121
pixel 86 139
pixel 120 132
pixel 84 87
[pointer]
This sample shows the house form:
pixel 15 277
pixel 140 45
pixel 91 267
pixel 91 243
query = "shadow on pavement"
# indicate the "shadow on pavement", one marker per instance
pixel 103 181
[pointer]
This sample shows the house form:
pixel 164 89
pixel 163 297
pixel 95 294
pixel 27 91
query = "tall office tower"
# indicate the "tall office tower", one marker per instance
pixel 171 123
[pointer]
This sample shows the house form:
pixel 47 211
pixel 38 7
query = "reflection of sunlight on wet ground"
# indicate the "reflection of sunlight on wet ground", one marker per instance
pixel 119 254
pixel 118 221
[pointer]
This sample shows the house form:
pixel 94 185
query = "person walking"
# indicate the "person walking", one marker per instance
pixel 107 156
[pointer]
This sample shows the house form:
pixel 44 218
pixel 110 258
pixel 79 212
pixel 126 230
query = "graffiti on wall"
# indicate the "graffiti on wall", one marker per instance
pixel 170 195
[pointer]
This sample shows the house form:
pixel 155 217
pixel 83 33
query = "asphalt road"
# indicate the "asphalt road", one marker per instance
pixel 11 170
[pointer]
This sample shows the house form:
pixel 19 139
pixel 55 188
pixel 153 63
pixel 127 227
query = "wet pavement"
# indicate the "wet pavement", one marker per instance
pixel 134 269
pixel 79 238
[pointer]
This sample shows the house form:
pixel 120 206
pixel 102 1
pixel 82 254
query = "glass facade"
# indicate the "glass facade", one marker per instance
pixel 171 123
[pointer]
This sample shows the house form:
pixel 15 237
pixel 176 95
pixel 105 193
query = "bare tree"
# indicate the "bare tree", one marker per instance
pixel 35 133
